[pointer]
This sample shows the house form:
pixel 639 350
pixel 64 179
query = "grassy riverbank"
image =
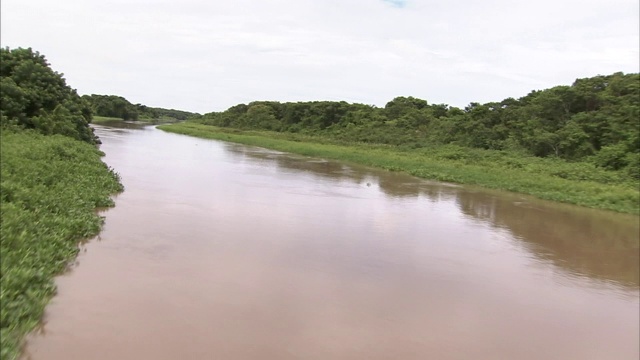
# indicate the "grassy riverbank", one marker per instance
pixel 50 189
pixel 104 119
pixel 546 178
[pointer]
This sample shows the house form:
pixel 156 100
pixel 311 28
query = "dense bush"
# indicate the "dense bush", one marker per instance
pixel 113 106
pixel 33 96
pixel 50 188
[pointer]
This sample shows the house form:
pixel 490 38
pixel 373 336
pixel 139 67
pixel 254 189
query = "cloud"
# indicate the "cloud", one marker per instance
pixel 208 55
pixel 396 3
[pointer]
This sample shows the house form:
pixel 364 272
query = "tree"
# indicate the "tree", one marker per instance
pixel 112 106
pixel 402 105
pixel 34 96
pixel 261 116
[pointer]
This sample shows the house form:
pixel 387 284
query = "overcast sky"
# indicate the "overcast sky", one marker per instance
pixel 203 56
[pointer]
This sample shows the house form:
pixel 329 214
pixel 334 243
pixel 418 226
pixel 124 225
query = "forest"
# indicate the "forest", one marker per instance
pixel 114 106
pixel 593 120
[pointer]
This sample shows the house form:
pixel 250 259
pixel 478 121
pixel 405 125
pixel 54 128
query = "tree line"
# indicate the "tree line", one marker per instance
pixel 595 119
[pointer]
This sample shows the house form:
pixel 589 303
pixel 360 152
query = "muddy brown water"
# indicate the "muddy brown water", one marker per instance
pixel 222 251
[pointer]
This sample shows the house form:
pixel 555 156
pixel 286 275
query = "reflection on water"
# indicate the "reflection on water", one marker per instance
pixel 222 251
pixel 600 245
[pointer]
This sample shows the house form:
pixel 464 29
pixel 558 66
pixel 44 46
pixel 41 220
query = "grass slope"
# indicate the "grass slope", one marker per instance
pixel 50 188
pixel 546 178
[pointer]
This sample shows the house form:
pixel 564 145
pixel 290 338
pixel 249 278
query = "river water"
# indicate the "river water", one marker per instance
pixel 222 251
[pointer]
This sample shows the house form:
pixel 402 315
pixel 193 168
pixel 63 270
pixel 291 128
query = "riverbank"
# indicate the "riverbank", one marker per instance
pixel 51 188
pixel 546 178
pixel 103 120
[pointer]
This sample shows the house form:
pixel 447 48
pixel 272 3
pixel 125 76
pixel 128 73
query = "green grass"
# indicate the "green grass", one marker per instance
pixel 50 188
pixel 551 179
pixel 104 119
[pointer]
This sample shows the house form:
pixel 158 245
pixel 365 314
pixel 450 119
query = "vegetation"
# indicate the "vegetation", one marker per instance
pixel 33 96
pixel 595 120
pixel 112 106
pixel 108 121
pixel 51 186
pixel 104 119
pixel 581 183
pixel 578 144
pixel 52 181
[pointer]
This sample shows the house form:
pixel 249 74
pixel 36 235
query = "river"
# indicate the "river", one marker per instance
pixel 222 251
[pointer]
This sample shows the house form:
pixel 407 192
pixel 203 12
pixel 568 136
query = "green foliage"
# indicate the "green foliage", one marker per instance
pixel 402 106
pixel 50 188
pixel 594 120
pixel 612 157
pixel 112 106
pixel 161 113
pixel 578 144
pixel 33 96
pixel 633 165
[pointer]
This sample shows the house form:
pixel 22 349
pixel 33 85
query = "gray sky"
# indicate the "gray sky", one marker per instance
pixel 204 56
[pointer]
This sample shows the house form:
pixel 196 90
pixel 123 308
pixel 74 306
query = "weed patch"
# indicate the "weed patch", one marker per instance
pixel 50 187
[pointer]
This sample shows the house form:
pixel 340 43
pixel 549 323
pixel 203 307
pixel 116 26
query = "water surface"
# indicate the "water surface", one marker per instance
pixel 222 251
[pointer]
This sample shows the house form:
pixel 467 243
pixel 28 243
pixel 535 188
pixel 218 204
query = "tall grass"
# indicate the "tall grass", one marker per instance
pixel 50 188
pixel 552 179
